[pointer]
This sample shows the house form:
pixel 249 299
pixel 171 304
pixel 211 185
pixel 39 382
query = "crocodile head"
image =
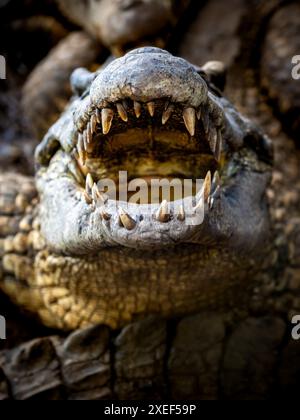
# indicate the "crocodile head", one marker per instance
pixel 156 117
pixel 120 24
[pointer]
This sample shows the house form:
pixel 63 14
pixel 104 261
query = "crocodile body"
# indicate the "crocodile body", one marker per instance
pixel 200 356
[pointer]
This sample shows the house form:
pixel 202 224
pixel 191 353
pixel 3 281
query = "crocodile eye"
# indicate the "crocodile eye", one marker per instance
pixel 216 73
pixel 81 80
pixel 46 149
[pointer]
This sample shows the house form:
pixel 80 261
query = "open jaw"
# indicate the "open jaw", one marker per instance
pixel 154 117
pixel 149 160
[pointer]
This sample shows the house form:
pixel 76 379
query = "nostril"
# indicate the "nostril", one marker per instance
pixel 128 4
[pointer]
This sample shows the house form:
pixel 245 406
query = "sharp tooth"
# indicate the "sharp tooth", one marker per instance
pixel 126 220
pixel 216 181
pixel 163 214
pixel 82 158
pixel 87 198
pixel 205 192
pixel 85 140
pixel 213 138
pixel 94 123
pixel 99 198
pixel 207 187
pixel 105 216
pixel 181 214
pixel 107 119
pixel 167 114
pixel 122 112
pixel 189 116
pixel 205 120
pixel 95 193
pixel 219 147
pixel 137 109
pixel 151 108
pixel 199 113
pixel 89 183
pixel 81 150
pixel 89 133
pixel 76 172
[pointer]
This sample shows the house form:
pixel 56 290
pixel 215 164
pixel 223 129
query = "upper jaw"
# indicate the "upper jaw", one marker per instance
pixel 150 80
pixel 147 74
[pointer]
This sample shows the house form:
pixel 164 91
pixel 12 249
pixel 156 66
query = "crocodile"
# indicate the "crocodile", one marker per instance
pixel 250 355
pixel 105 261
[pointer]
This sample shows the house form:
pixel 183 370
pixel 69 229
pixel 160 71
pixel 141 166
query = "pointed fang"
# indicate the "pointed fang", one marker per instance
pixel 189 116
pixel 137 109
pixel 87 198
pixel 181 214
pixel 163 214
pixel 105 216
pixel 126 220
pixel 107 119
pixel 89 183
pixel 151 108
pixel 167 114
pixel 207 187
pixel 122 112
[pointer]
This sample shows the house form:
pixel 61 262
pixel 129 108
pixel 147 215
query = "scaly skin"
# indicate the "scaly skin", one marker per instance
pixel 94 264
